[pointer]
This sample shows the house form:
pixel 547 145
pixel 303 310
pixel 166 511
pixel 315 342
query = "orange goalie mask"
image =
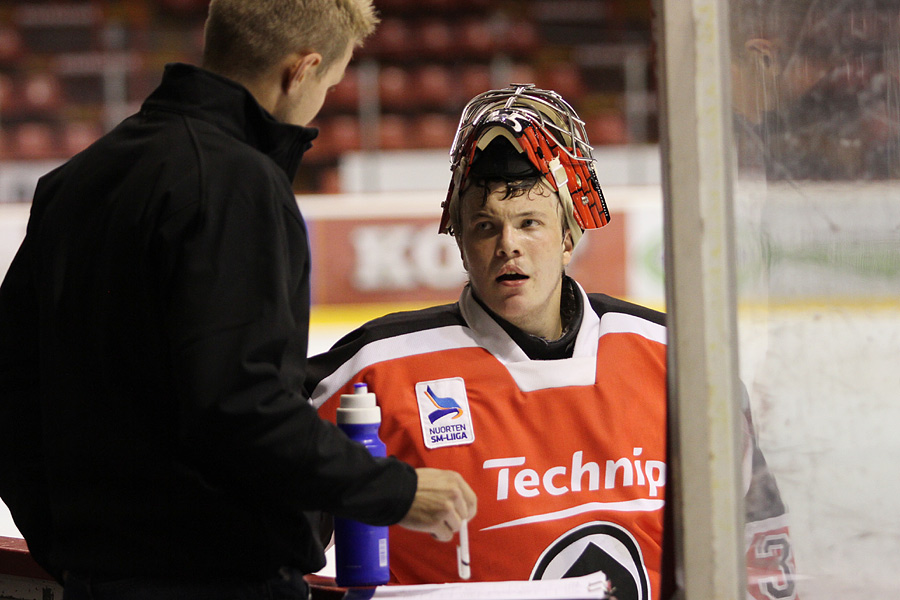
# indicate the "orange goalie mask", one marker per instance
pixel 545 129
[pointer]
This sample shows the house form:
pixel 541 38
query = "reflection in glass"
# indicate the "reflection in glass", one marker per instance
pixel 816 99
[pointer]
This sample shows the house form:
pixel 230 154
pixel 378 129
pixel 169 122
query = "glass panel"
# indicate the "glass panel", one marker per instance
pixel 817 206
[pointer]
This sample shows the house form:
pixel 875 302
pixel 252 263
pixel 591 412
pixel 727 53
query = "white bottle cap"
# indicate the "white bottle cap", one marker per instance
pixel 358 408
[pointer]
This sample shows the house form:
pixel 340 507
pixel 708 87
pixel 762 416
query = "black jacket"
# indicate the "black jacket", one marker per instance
pixel 153 339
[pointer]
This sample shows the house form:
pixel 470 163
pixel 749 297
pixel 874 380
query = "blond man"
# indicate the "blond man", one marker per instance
pixel 153 338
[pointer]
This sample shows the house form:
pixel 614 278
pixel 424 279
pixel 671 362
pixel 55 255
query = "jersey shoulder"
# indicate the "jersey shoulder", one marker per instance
pixel 402 323
pixel 602 304
pixel 389 328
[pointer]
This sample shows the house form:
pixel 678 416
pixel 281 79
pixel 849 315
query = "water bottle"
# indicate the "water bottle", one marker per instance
pixel 360 550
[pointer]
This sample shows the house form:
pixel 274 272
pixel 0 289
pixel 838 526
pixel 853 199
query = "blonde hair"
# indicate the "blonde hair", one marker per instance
pixel 246 38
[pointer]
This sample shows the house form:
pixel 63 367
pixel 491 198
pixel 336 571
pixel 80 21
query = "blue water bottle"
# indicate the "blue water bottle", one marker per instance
pixel 360 550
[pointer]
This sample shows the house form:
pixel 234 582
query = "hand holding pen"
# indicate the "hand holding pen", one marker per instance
pixel 442 503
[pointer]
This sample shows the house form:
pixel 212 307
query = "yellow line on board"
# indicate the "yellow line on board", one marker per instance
pixel 874 304
pixel 340 314
pixel 337 314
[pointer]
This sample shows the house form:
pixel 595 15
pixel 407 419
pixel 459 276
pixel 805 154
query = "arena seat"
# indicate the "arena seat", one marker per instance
pixel 394 133
pixel 11 45
pixel 9 98
pixel 520 38
pixel 329 181
pixel 474 79
pixel 606 128
pixel 35 141
pixel 339 134
pixel 435 39
pixel 78 135
pixel 565 79
pixel 6 151
pixel 433 131
pixel 394 88
pixel 345 95
pixel 476 38
pixel 42 92
pixel 392 39
pixel 435 86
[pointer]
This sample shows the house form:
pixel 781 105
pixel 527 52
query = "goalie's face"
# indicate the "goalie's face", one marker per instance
pixel 515 251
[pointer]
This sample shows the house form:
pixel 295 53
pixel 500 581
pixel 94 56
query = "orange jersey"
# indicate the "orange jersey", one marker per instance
pixel 567 457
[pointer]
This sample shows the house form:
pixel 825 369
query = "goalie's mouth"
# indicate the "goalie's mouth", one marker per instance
pixel 511 277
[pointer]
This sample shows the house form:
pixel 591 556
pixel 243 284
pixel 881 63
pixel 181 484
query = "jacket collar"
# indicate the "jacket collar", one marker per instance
pixel 205 95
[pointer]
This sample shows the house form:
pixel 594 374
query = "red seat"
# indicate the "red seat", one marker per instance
pixel 433 131
pixel 435 86
pixel 394 88
pixel 337 135
pixel 565 79
pixel 475 79
pixel 476 38
pixel 607 128
pixel 42 92
pixel 392 39
pixel 520 38
pixel 393 133
pixel 11 45
pixel 36 141
pixel 329 181
pixel 435 39
pixel 6 149
pixel 345 95
pixel 9 99
pixel 78 135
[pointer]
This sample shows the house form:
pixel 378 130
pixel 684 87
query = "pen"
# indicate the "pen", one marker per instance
pixel 462 551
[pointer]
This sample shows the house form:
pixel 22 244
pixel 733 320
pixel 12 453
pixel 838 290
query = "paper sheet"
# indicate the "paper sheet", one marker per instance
pixel 589 587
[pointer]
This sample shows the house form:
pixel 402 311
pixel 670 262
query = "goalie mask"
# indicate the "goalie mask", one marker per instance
pixel 551 141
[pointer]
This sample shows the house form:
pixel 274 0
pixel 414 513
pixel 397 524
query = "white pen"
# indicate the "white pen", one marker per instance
pixel 462 551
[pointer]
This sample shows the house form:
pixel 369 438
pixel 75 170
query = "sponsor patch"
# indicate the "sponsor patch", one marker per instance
pixel 444 412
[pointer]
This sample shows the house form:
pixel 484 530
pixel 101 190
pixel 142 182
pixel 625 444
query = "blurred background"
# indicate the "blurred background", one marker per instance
pixel 372 185
pixel 70 70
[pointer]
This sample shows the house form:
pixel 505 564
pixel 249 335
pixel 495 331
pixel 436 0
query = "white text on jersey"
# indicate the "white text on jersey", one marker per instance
pixel 561 480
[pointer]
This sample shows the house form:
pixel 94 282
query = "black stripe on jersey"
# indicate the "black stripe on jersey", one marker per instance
pixel 602 304
pixel 388 326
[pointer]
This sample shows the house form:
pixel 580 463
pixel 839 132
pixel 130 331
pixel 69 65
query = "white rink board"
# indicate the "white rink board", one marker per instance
pixel 831 442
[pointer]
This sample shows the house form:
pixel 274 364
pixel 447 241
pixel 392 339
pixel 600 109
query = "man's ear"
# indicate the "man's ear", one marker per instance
pixel 568 247
pixel 297 67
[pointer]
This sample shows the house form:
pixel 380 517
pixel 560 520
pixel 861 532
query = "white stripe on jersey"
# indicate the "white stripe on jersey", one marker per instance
pixel 529 375
pixel 409 344
pixel 614 322
pixel 639 505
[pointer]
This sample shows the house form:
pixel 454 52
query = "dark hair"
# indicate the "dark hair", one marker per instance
pixel 501 162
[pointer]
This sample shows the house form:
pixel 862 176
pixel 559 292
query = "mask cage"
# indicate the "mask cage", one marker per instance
pixel 547 129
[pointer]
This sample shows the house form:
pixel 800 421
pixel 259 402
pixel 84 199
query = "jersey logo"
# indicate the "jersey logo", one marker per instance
pixel 446 406
pixel 444 413
pixel 598 546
